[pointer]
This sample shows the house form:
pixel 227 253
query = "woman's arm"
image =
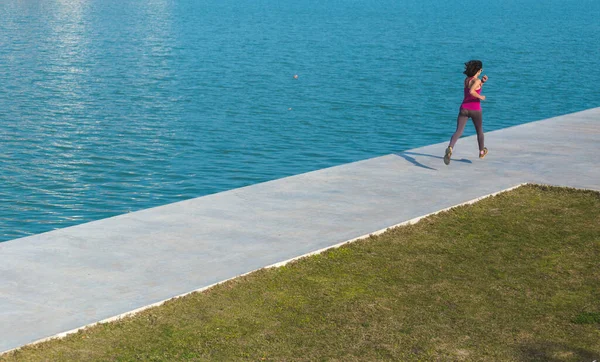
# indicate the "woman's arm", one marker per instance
pixel 472 90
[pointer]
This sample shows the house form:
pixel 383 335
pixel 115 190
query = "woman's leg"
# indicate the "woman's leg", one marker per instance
pixel 461 121
pixel 477 118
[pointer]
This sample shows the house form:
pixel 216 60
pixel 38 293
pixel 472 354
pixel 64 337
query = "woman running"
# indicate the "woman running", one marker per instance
pixel 470 107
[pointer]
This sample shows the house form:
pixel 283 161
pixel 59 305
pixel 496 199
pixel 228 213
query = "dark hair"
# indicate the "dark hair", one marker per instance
pixel 472 67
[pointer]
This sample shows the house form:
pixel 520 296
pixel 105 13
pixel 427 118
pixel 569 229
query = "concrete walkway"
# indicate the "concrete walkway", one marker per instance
pixel 61 280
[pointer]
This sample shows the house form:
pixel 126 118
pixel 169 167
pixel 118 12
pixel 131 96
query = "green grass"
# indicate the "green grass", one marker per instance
pixel 513 277
pixel 587 318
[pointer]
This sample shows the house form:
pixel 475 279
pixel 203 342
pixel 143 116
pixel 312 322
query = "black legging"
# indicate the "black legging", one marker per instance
pixel 463 116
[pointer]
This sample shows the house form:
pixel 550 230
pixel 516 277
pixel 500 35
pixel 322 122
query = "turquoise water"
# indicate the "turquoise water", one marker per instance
pixel 111 106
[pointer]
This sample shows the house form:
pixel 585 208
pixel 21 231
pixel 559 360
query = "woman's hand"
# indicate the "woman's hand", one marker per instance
pixel 484 78
pixel 482 98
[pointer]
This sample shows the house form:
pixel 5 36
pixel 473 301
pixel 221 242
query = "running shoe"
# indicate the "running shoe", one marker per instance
pixel 448 155
pixel 483 152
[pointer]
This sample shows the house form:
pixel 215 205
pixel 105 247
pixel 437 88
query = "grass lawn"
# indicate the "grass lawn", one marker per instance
pixel 513 277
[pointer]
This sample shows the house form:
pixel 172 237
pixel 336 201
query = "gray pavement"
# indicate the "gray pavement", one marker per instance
pixel 65 279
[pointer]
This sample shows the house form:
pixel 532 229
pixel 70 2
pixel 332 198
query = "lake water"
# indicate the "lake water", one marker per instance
pixel 112 106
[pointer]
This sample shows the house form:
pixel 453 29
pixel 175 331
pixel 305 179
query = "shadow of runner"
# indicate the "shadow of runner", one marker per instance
pixel 555 352
pixel 407 156
pixel 439 157
pixel 414 161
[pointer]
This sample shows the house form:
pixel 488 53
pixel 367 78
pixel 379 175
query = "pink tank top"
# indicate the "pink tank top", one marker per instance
pixel 470 102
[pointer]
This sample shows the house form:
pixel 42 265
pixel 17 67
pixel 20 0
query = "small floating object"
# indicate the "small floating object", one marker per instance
pixel 295 76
